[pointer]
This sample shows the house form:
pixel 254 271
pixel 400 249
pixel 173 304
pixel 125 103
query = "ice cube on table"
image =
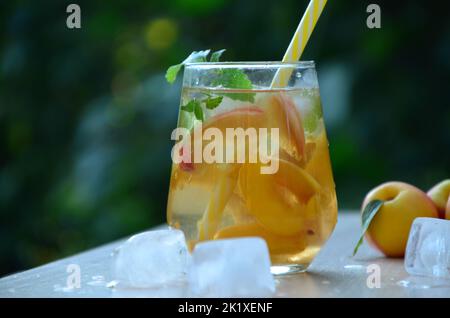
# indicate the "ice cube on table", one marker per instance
pixel 231 268
pixel 151 259
pixel 428 249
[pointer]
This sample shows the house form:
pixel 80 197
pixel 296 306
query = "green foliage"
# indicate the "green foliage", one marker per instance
pixel 215 57
pixel 213 102
pixel 196 56
pixel 369 212
pixel 230 78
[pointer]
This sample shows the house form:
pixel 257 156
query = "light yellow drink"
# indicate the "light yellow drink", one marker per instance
pixel 294 209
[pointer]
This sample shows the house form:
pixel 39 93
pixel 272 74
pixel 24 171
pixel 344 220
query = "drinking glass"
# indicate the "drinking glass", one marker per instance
pixel 237 123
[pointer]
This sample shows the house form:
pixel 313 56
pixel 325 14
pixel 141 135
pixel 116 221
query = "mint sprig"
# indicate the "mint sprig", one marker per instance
pixel 195 105
pixel 198 112
pixel 234 78
pixel 213 102
pixel 226 78
pixel 215 57
pixel 190 106
pixel 367 216
pixel 196 56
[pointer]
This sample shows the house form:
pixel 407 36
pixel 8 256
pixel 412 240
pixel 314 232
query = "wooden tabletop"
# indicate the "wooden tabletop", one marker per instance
pixel 334 273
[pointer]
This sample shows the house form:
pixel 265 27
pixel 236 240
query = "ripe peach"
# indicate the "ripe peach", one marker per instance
pixel 440 194
pixel 390 227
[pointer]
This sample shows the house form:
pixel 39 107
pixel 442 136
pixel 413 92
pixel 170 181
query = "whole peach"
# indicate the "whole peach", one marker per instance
pixel 440 194
pixel 389 229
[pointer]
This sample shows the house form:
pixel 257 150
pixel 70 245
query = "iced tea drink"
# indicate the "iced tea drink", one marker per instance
pixel 293 206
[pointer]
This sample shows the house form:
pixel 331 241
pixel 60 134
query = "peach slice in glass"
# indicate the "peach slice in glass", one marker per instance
pixel 319 164
pixel 279 201
pixel 282 114
pixel 243 117
pixel 188 170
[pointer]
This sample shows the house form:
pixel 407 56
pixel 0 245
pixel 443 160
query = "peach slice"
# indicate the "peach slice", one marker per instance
pixel 243 117
pixel 187 170
pixel 279 201
pixel 221 193
pixel 223 176
pixel 277 111
pixel 247 116
pixel 319 165
pixel 277 244
pixel 283 114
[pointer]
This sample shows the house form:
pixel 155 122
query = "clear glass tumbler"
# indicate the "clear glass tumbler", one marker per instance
pixel 252 159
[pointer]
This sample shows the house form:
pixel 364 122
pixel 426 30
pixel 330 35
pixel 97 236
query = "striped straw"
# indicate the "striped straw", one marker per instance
pixel 299 40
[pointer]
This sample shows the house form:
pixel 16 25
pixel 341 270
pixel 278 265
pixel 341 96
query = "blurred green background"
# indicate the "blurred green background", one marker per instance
pixel 86 115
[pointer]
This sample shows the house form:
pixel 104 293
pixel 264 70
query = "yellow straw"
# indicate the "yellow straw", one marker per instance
pixel 299 40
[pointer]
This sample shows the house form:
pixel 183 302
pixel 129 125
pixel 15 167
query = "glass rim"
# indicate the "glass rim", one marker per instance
pixel 252 64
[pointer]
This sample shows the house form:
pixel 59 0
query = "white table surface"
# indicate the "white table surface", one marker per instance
pixel 334 273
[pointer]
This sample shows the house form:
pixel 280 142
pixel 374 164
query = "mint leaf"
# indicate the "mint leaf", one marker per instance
pixel 213 102
pixel 226 78
pixel 196 56
pixel 194 106
pixel 190 106
pixel 234 78
pixel 367 216
pixel 198 111
pixel 215 57
pixel 172 72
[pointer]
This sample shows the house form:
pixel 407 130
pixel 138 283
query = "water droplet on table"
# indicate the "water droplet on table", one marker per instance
pixel 97 280
pixel 423 282
pixel 59 288
pixel 355 267
pixel 112 284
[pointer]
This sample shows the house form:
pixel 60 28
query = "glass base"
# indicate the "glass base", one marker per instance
pixel 288 269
